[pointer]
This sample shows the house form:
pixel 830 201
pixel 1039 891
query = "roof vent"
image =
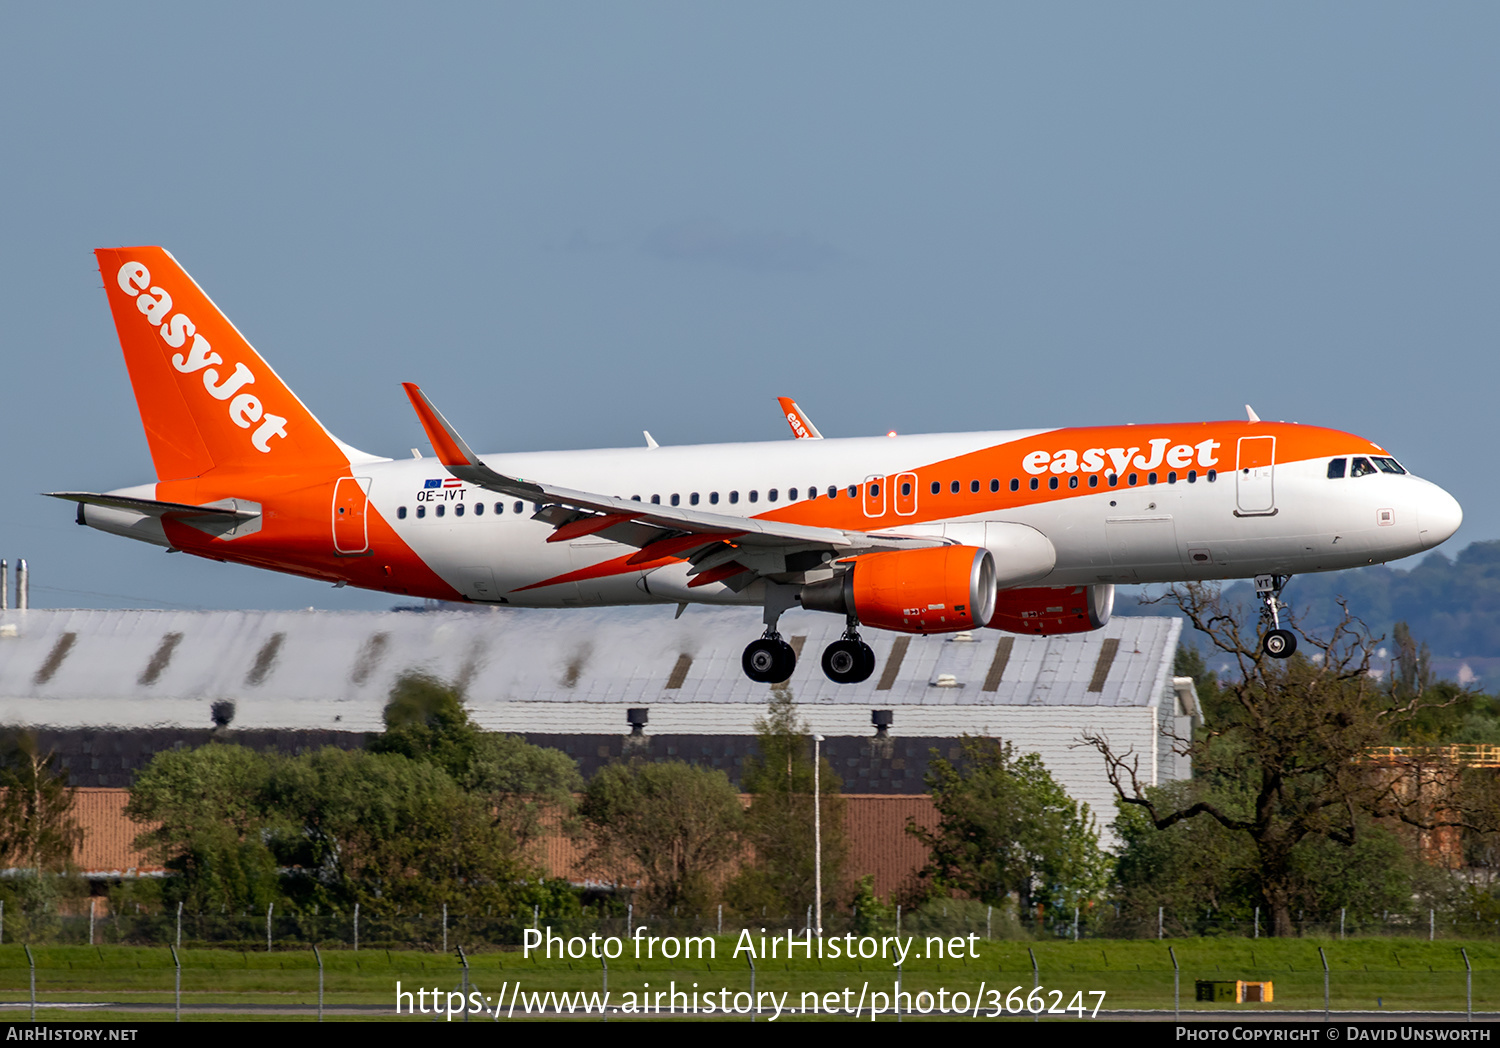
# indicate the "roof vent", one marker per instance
pixel 946 680
pixel 222 712
pixel 636 717
pixel 882 719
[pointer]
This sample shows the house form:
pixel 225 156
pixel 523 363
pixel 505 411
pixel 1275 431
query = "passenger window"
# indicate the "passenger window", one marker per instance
pixel 1213 475
pixel 479 509
pixel 693 499
pixel 1336 469
pixel 656 500
pixel 833 492
pixel 676 499
pixel 1073 481
pixel 1150 478
pixel 519 507
pixel 633 498
pixel 1094 480
pixel 1113 480
pixel 440 509
pixel 905 488
pixel 1034 484
pixel 754 496
pixel 953 487
pixel 974 487
pixel 400 512
pixel 734 497
pixel 1131 480
pixel 421 512
pixel 499 507
pixel 458 510
pixel 936 487
pixel 1015 485
pixel 1192 476
pixel 1052 483
pixel 1172 477
pixel 874 491
pixel 994 485
pixel 771 495
pixel 854 491
pixel 713 498
pixel 1360 467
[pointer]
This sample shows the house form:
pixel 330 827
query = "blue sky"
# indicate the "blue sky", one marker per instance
pixel 572 222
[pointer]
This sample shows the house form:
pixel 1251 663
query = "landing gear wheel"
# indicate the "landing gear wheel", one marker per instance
pixel 769 660
pixel 1279 644
pixel 848 661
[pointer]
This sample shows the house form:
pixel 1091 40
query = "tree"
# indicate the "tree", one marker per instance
pixel 524 784
pixel 779 825
pixel 208 805
pixel 37 828
pixel 1283 767
pixel 1006 828
pixel 425 719
pixel 671 824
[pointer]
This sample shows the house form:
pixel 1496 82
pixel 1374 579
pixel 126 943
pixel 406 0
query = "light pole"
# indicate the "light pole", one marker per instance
pixel 818 834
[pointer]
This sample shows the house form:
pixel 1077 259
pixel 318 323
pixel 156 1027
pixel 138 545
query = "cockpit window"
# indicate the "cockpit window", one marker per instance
pixel 1360 467
pixel 1389 465
pixel 1336 469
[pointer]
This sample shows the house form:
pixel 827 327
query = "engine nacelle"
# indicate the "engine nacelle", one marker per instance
pixel 1049 610
pixel 942 589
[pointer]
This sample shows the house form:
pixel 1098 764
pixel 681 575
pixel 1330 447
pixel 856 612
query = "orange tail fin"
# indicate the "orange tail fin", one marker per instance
pixel 207 399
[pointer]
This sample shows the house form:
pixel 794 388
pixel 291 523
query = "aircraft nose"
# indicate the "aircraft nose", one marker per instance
pixel 1438 517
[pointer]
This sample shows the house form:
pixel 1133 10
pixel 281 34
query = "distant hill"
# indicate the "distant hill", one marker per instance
pixel 1452 605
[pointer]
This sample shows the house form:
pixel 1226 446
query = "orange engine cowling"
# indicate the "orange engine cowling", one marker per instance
pixel 1049 610
pixel 942 589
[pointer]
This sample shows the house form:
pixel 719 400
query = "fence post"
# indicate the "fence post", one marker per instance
pixel 721 919
pixel 989 916
pixel 2 920
pixel 269 908
pixel 1176 985
pixel 445 931
pixel 93 908
pixel 1342 912
pixel 755 1005
pixel 31 961
pixel 1324 958
pixel 1036 982
pixel 604 1012
pixel 1468 983
pixel 179 926
pixel 177 964
pixel 463 959
pixel 356 927
pixel 1257 922
pixel 319 956
pixel 1075 922
pixel 898 920
pixel 898 991
pixel 1431 925
pixel 1160 910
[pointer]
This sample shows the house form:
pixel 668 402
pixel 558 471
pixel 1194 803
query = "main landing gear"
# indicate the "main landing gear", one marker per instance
pixel 769 660
pixel 848 660
pixel 1278 643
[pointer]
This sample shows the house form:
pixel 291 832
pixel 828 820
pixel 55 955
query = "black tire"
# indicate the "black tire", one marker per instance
pixel 848 661
pixel 1279 644
pixel 768 660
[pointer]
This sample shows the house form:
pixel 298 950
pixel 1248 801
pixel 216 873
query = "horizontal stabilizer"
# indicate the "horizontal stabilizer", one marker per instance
pixel 227 509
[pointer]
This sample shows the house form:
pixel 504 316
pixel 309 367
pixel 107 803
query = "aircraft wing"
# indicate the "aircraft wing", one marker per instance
pixel 688 534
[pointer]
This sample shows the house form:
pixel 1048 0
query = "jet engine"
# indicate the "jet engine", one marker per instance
pixel 942 589
pixel 1049 610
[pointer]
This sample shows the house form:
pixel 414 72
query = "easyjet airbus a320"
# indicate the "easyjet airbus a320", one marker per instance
pixel 1020 530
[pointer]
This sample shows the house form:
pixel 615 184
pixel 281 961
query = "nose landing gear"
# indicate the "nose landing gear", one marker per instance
pixel 1278 643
